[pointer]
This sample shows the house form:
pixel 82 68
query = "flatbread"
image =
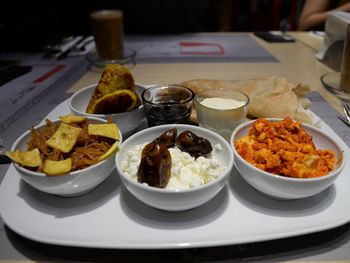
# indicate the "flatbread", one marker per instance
pixel 272 97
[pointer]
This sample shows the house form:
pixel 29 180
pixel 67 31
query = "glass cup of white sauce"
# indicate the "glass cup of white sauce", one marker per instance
pixel 221 110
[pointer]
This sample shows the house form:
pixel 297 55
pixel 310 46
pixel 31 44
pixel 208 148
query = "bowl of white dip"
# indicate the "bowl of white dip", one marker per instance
pixel 193 180
pixel 221 110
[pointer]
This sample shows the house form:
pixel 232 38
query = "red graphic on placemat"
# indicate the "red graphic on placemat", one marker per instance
pixel 49 74
pixel 198 48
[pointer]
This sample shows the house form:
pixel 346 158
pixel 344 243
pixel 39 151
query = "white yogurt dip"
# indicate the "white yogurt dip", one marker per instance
pixel 222 103
pixel 221 111
pixel 186 171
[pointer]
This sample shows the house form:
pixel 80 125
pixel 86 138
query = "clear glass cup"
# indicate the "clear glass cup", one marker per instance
pixel 167 103
pixel 108 32
pixel 221 110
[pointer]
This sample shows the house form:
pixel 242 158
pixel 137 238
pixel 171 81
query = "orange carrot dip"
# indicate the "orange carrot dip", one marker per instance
pixel 284 148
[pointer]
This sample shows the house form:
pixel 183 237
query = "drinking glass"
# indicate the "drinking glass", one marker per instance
pixel 166 104
pixel 221 110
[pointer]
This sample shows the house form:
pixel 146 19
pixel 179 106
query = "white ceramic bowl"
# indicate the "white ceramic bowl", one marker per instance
pixel 281 187
pixel 176 200
pixel 71 184
pixel 126 121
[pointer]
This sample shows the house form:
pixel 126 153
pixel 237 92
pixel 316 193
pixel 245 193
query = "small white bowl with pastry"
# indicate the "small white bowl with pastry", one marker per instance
pixel 116 96
pixel 69 156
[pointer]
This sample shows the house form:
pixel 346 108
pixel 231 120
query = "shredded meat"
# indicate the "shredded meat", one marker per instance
pixel 86 151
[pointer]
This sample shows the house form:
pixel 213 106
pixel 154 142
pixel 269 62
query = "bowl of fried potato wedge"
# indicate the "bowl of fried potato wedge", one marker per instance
pixel 286 159
pixel 115 96
pixel 68 156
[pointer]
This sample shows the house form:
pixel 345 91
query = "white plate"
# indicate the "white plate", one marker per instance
pixel 109 217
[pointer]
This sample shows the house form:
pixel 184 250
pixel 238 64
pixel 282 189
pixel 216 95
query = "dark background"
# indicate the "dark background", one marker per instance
pixel 30 25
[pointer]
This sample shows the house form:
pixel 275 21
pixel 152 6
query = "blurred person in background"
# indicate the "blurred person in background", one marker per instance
pixel 314 13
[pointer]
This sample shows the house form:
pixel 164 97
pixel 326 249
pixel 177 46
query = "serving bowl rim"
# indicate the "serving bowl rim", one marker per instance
pixel 28 172
pixel 164 127
pixel 331 174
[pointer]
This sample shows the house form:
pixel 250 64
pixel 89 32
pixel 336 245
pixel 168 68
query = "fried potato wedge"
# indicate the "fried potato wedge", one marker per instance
pixel 109 130
pixel 57 167
pixel 71 118
pixel 64 138
pixel 116 102
pixel 114 77
pixel 25 158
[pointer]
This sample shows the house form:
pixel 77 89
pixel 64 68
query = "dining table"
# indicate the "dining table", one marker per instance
pixel 294 61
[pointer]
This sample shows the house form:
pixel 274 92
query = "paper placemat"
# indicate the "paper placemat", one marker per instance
pixel 198 48
pixel 329 115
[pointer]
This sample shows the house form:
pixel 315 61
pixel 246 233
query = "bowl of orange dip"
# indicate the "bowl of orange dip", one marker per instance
pixel 286 159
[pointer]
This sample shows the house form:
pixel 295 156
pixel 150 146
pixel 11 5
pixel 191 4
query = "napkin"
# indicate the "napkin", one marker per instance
pixel 335 32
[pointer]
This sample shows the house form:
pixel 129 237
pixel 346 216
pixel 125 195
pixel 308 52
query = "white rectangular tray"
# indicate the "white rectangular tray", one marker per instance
pixel 109 217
